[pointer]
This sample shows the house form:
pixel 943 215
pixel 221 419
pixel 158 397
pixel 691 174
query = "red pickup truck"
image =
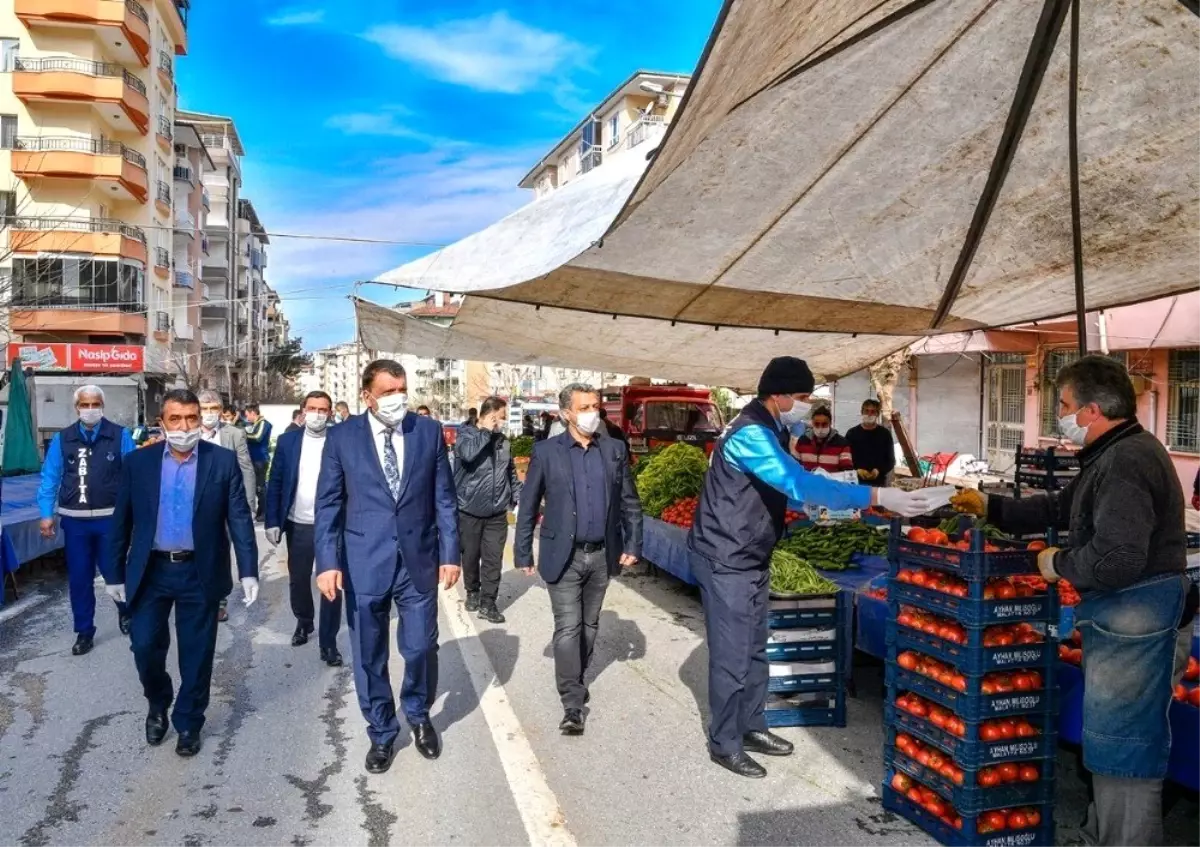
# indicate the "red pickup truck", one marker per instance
pixel 658 415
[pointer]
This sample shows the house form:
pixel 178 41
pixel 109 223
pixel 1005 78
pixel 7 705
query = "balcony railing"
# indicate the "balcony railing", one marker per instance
pixel 184 332
pixel 205 292
pixel 162 257
pixel 165 129
pixel 31 297
pixel 185 224
pixel 166 64
pixel 183 173
pixel 138 11
pixel 162 322
pixel 79 144
pixel 77 225
pixel 256 259
pixel 590 158
pixel 163 192
pixel 67 64
pixel 644 127
pixel 185 279
pixel 205 200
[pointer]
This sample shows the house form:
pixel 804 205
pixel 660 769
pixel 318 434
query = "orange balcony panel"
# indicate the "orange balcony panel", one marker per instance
pixel 164 209
pixel 69 164
pixel 62 86
pixel 126 16
pixel 77 321
pixel 70 241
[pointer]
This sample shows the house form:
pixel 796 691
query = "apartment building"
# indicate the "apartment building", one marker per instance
pixel 180 253
pixel 86 136
pixel 629 121
pixel 251 301
pixel 337 371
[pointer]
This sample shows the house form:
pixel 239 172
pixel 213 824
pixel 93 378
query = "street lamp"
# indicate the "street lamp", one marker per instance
pixel 655 88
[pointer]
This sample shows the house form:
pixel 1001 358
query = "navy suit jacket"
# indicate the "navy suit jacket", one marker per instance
pixel 550 478
pixel 284 477
pixel 220 513
pixel 362 531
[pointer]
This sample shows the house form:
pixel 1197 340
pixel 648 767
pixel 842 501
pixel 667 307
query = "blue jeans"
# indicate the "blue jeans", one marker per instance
pixel 85 542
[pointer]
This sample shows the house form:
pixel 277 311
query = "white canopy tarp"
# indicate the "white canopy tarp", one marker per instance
pixel 838 167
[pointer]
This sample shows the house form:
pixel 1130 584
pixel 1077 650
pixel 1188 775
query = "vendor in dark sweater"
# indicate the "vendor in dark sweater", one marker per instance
pixel 871 446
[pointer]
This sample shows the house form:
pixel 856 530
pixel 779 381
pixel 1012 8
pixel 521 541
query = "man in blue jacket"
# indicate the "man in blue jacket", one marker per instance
pixel 80 477
pixel 177 509
pixel 739 521
pixel 387 534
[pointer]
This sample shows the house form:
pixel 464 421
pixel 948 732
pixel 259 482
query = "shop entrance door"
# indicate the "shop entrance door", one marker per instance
pixel 1004 411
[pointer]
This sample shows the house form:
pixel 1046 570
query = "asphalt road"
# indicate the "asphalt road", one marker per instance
pixel 284 742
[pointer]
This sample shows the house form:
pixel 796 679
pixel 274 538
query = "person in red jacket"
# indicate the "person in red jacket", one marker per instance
pixel 822 446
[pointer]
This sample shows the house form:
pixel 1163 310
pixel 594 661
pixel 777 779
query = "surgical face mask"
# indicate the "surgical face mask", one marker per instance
pixel 316 421
pixel 1069 426
pixel 90 417
pixel 870 420
pixel 820 431
pixel 210 419
pixel 183 440
pixel 795 415
pixel 587 422
pixel 338 418
pixel 391 409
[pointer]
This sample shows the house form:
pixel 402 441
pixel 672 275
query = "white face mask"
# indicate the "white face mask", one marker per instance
pixel 870 420
pixel 391 409
pixel 1069 426
pixel 316 421
pixel 210 419
pixel 820 431
pixel 587 422
pixel 90 417
pixel 795 415
pixel 183 440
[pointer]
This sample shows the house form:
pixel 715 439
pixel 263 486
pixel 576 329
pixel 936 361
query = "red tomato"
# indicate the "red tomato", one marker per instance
pixel 1036 545
pixel 1009 772
pixel 914 796
pixel 919 535
pixel 938 719
pixel 990 732
pixel 1035 679
pixel 1022 682
pixel 1026 730
pixel 907 660
pixel 1194 697
pixel 1193 669
pixel 1017 820
pixel 988 778
pixel 1033 816
pixel 1008 728
pixel 917 707
pixel 1064 653
pixel 905 576
pixel 1005 591
pixel 1029 773
pixel 936 806
pixel 937 537
pixel 995 821
pixel 901 783
pixel 959 683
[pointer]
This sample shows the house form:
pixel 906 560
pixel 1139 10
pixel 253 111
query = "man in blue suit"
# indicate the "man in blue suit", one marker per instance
pixel 291 510
pixel 387 533
pixel 177 509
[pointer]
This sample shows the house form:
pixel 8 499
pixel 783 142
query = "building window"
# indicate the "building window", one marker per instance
pixel 8 132
pixel 614 130
pixel 8 206
pixel 1183 401
pixel 71 282
pixel 9 48
pixel 1055 361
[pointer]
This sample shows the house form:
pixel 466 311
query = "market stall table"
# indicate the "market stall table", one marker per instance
pixel 19 515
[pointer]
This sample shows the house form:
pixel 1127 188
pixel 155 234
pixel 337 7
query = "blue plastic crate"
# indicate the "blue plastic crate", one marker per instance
pixel 968 836
pixel 818 681
pixel 819 612
pixel 825 650
pixel 971 704
pixel 975 564
pixel 972 753
pixel 970 797
pixel 1048 459
pixel 973 657
pixel 829 711
pixel 1042 608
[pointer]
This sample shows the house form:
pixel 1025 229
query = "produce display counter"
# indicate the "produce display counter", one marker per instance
pixel 665 546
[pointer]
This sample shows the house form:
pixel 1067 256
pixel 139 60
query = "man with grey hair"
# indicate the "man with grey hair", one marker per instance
pixel 213 430
pixel 80 477
pixel 1126 554
pixel 592 527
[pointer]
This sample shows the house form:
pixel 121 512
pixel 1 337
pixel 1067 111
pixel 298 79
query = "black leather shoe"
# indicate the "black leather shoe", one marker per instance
pixel 572 722
pixel 156 728
pixel 300 636
pixel 188 744
pixel 123 624
pixel 491 614
pixel 83 645
pixel 379 758
pixel 331 657
pixel 740 764
pixel 222 614
pixel 767 743
pixel 426 739
pixel 472 601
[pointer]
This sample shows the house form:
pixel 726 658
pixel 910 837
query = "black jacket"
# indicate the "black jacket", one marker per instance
pixel 550 479
pixel 484 474
pixel 1124 512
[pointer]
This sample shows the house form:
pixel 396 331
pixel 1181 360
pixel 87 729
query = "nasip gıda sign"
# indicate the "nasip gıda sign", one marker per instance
pixel 79 358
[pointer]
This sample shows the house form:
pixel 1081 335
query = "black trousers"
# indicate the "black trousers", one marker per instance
pixel 576 600
pixel 260 488
pixel 482 542
pixel 301 556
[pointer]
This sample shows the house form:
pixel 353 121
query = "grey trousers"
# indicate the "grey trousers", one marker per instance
pixel 576 599
pixel 1129 811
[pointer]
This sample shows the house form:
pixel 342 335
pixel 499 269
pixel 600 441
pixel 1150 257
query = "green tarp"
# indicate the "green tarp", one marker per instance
pixel 20 443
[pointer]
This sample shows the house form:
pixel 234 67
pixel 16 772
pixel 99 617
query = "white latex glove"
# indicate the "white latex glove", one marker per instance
pixel 274 535
pixel 117 592
pixel 908 503
pixel 249 590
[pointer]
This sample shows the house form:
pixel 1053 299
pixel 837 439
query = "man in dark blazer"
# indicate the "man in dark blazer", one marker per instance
pixel 387 533
pixel 592 527
pixel 177 509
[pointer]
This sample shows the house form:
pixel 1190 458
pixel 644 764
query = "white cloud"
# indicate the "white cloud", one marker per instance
pixel 384 123
pixel 492 53
pixel 297 17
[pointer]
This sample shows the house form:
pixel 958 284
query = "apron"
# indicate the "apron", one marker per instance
pixel 1128 662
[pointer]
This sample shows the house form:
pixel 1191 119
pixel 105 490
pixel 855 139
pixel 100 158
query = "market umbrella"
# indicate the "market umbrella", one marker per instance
pixel 20 442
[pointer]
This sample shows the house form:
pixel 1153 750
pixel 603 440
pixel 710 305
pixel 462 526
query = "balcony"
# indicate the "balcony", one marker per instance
pixel 590 158
pixel 116 95
pixel 645 128
pixel 177 25
pixel 162 198
pixel 257 260
pixel 119 169
pixel 162 326
pixel 184 332
pixel 185 174
pixel 91 236
pixel 122 26
pixel 166 70
pixel 204 245
pixel 205 293
pixel 185 224
pixel 205 200
pixel 165 134
pixel 185 279
pixel 106 300
pixel 162 262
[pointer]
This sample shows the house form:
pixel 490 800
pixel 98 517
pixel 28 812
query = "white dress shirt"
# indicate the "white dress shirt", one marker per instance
pixel 211 435
pixel 377 431
pixel 303 509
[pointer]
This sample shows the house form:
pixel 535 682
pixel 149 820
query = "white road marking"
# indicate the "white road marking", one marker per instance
pixel 536 802
pixel 22 605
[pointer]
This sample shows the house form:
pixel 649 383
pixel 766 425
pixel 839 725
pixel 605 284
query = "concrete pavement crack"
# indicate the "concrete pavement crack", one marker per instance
pixel 377 821
pixel 335 737
pixel 59 807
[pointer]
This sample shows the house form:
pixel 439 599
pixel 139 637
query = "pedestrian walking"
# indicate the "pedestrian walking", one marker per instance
pixel 80 478
pixel 485 479
pixel 387 533
pixel 592 527
pixel 258 436
pixel 178 508
pixel 291 512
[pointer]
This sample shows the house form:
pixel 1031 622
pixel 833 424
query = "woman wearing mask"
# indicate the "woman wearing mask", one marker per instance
pixel 822 446
pixel 871 447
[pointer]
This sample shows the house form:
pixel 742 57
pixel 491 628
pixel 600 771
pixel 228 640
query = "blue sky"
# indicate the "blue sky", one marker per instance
pixel 407 121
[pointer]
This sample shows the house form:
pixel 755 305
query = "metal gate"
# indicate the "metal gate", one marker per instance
pixel 1004 409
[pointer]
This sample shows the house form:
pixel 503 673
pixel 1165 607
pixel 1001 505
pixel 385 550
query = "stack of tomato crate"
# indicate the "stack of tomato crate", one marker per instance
pixel 971 710
pixel 807 655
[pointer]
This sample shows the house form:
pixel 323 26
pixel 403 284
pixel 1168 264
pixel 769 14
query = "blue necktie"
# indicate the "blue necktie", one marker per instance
pixel 391 467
